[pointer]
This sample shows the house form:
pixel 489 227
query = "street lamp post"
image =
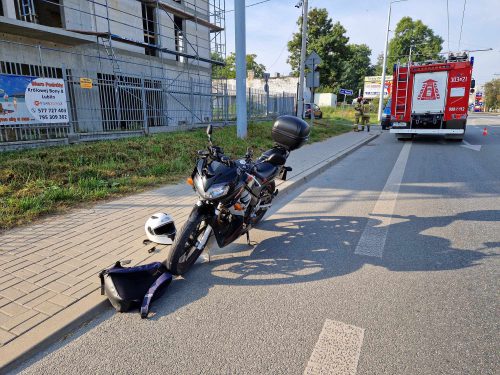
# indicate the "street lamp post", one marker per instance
pixel 300 98
pixel 241 69
pixel 382 82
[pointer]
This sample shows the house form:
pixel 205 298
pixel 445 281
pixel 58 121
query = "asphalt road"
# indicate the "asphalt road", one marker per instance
pixel 385 264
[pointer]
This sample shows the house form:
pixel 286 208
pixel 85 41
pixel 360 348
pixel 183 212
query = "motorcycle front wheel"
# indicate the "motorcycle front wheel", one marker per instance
pixel 183 253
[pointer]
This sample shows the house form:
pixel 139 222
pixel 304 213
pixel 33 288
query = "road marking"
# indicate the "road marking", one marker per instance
pixel 337 350
pixel 469 146
pixel 372 241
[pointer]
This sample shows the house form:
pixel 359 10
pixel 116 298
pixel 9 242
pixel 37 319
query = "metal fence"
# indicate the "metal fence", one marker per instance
pixel 132 99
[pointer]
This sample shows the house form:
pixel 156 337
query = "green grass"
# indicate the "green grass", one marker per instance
pixel 36 182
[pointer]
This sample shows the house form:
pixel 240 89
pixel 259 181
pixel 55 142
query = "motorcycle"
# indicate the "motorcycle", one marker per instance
pixel 234 194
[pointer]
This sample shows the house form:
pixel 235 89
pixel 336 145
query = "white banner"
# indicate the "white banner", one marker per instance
pixel 32 100
pixel 46 100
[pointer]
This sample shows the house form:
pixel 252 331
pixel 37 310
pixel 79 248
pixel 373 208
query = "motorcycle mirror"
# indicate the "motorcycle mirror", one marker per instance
pixel 209 130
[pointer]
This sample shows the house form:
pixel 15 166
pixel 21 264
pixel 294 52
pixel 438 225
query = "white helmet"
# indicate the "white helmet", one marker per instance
pixel 160 228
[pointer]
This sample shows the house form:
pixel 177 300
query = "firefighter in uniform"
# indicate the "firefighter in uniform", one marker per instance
pixel 365 120
pixel 358 114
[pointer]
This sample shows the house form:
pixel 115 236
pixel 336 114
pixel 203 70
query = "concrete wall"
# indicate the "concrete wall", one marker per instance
pixel 133 62
pixel 122 22
pixel 77 15
pixel 325 99
pixel 277 85
pixel 9 9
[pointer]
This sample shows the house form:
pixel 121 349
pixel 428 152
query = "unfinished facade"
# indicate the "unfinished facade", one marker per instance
pixel 128 66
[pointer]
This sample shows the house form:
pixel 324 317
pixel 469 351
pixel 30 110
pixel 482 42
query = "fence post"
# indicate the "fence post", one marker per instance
pixel 144 110
pixel 226 104
pixel 191 99
pixel 249 103
pixel 68 103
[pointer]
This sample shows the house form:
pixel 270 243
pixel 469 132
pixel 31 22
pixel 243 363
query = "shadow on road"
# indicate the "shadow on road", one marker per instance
pixel 305 249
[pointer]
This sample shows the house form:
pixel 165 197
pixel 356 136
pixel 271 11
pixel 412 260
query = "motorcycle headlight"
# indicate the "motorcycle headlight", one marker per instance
pixel 217 191
pixel 213 192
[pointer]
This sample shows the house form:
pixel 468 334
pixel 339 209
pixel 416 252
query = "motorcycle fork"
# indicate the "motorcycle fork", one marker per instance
pixel 200 244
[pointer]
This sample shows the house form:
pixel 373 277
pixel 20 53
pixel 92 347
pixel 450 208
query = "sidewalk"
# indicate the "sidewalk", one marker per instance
pixel 48 271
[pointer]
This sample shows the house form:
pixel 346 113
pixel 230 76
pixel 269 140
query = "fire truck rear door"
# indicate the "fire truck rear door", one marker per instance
pixel 429 92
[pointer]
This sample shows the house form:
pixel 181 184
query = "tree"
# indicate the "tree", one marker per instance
pixel 377 68
pixel 355 67
pixel 426 45
pixel 328 40
pixel 229 70
pixel 492 94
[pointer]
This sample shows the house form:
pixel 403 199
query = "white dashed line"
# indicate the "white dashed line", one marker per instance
pixel 471 147
pixel 372 241
pixel 337 350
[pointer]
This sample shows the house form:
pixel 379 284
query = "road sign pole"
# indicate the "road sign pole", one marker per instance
pixel 312 95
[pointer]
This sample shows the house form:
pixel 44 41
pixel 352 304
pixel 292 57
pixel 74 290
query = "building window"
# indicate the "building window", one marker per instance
pixel 47 13
pixel 148 26
pixel 179 37
pixel 1 9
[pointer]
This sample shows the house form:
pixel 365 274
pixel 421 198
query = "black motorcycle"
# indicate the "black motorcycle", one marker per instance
pixel 234 194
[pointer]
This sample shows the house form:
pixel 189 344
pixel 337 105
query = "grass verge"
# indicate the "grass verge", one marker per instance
pixel 41 181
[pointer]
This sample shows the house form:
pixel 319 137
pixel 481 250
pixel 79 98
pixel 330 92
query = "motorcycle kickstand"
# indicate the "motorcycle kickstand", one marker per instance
pixel 250 243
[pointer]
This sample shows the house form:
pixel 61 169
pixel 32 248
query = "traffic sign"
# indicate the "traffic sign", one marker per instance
pixel 312 79
pixel 313 60
pixel 346 92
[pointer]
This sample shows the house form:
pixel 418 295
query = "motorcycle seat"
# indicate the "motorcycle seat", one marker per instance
pixel 266 171
pixel 274 150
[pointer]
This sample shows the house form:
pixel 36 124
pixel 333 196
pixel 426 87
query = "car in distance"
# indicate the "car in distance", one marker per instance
pixel 385 121
pixel 317 111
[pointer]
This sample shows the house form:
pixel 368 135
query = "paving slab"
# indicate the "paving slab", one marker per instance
pixel 49 286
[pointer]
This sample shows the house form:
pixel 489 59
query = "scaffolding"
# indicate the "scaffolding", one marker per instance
pixel 150 63
pixel 169 46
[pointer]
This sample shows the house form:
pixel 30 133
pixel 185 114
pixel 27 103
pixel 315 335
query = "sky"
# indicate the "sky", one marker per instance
pixel 270 25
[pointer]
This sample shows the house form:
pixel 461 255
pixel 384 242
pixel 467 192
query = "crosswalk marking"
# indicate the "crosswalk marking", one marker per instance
pixel 337 350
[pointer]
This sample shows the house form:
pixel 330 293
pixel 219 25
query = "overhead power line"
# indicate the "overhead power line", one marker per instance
pixel 250 5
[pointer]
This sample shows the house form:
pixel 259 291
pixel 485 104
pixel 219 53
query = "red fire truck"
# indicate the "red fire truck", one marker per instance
pixel 431 97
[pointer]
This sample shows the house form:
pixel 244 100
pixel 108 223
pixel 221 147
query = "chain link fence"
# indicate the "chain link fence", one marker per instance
pixel 115 98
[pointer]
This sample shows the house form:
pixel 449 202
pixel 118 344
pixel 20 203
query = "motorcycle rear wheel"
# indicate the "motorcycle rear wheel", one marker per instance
pixel 183 253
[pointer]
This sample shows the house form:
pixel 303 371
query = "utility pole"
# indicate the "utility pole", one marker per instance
pixel 241 69
pixel 384 64
pixel 300 99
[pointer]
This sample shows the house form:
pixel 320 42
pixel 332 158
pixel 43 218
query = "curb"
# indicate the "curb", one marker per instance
pixel 19 351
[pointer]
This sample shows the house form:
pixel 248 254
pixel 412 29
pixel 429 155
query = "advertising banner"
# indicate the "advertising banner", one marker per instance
pixel 32 100
pixel 372 87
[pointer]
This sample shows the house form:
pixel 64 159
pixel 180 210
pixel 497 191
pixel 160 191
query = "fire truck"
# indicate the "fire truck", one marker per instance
pixel 432 97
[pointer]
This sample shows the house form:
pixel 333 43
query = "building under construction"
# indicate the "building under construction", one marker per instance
pixel 128 66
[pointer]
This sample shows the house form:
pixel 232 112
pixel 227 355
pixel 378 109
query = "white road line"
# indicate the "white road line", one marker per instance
pixel 469 146
pixel 337 350
pixel 372 241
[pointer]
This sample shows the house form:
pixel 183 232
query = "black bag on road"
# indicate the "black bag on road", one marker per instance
pixel 130 287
